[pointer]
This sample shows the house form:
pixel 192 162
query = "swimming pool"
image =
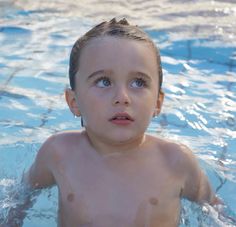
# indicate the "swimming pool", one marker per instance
pixel 198 44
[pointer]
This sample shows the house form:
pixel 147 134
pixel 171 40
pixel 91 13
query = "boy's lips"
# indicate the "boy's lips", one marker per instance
pixel 121 119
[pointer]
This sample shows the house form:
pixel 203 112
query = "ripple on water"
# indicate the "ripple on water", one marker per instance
pixel 198 48
pixel 10 30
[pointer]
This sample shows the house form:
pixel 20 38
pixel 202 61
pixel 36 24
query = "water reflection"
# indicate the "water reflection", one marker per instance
pixel 197 42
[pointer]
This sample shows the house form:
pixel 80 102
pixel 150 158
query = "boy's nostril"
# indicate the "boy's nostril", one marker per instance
pixel 126 102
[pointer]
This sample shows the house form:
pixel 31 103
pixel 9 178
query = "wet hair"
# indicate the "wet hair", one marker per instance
pixel 113 28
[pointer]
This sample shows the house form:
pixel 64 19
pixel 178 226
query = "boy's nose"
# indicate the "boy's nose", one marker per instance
pixel 121 97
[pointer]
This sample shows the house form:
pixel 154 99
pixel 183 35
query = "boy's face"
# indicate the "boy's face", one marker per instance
pixel 116 88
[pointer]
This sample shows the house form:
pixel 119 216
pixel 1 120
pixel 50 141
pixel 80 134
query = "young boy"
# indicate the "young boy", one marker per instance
pixel 112 174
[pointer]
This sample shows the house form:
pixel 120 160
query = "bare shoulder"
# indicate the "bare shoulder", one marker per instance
pixel 62 142
pixel 177 155
pixel 63 147
pixel 52 155
pixel 179 161
pixel 184 164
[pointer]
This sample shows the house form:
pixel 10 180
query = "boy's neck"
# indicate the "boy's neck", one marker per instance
pixel 106 148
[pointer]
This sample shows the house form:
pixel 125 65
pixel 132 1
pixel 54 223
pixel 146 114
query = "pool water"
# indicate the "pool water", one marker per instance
pixel 197 40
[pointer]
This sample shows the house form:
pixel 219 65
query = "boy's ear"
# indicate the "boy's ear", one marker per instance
pixel 71 101
pixel 159 103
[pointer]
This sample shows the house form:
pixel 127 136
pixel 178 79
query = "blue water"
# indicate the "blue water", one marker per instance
pixel 199 61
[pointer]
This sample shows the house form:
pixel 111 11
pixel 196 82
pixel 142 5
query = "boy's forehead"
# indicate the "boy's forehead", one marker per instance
pixel 114 48
pixel 110 42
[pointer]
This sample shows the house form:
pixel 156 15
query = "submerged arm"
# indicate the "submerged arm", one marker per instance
pixel 21 198
pixel 38 176
pixel 197 188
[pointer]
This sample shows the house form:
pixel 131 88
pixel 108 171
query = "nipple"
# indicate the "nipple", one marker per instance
pixel 153 201
pixel 70 197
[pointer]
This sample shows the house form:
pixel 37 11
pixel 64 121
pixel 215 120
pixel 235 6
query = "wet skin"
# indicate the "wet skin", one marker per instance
pixel 113 174
pixel 137 188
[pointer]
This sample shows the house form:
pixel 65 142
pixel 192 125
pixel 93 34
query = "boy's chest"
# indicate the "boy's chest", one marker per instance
pixel 111 196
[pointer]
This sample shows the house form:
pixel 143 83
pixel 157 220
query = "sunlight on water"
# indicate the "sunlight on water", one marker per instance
pixel 198 47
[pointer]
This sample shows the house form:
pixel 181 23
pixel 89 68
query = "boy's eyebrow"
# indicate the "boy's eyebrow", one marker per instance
pixel 134 73
pixel 138 73
pixel 96 73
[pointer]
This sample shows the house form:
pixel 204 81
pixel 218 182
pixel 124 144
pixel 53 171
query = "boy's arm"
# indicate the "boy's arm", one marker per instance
pixel 40 174
pixel 196 187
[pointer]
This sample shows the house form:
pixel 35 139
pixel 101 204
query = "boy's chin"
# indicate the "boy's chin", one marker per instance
pixel 125 138
pixel 118 135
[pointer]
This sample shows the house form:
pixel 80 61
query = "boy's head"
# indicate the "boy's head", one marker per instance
pixel 113 28
pixel 115 76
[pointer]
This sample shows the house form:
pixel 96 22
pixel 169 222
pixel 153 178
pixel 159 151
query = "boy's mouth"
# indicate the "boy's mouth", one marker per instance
pixel 121 119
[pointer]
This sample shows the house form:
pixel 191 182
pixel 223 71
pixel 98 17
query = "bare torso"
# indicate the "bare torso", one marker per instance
pixel 136 189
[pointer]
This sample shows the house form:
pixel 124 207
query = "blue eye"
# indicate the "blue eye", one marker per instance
pixel 138 83
pixel 103 82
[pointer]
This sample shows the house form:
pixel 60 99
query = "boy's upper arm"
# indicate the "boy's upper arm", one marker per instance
pixel 40 174
pixel 196 186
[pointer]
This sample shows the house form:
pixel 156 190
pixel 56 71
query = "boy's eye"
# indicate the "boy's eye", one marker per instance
pixel 138 83
pixel 103 82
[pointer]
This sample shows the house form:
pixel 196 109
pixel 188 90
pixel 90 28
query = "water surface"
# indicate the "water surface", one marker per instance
pixel 197 40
